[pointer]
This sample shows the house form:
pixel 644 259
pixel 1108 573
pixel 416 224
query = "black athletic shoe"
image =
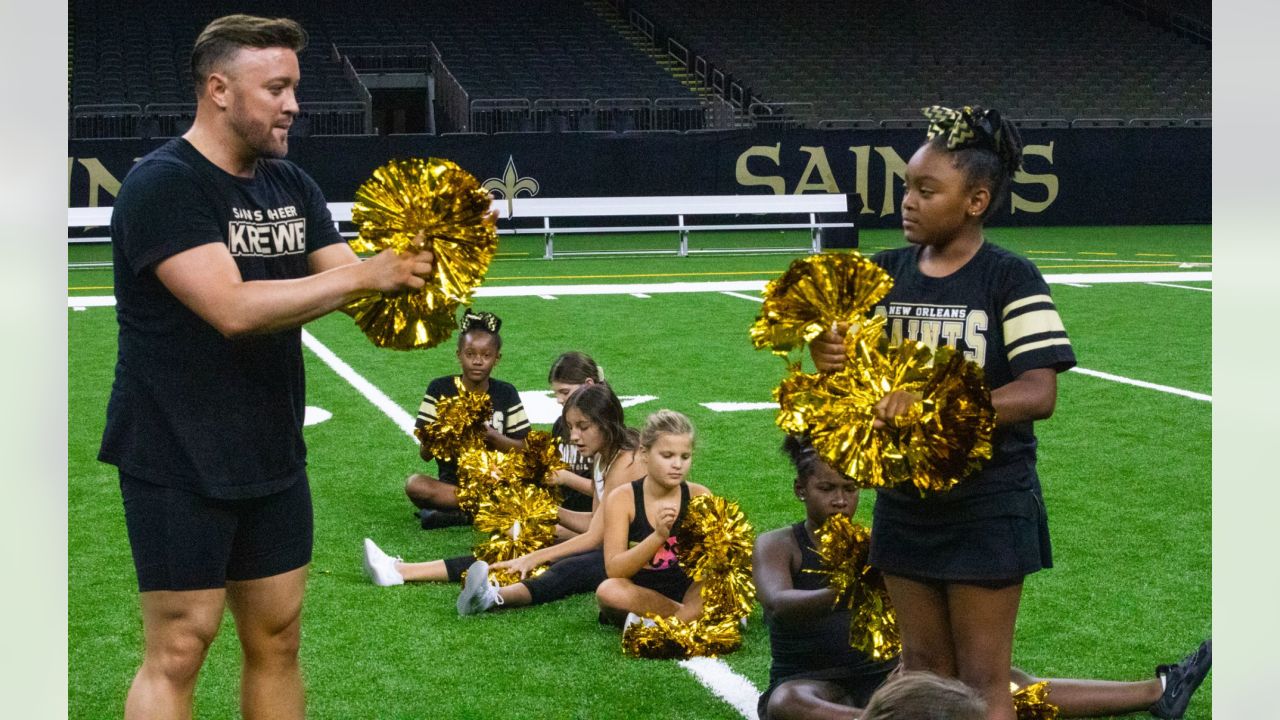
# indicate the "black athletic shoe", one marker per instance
pixel 1181 681
pixel 432 519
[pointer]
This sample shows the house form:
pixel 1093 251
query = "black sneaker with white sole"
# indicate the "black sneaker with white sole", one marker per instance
pixel 1181 682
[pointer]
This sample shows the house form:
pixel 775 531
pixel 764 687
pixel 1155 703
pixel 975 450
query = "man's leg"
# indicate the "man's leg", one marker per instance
pixel 268 615
pixel 178 627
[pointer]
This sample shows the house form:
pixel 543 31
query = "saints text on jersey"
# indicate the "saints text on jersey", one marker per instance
pixel 258 233
pixel 937 325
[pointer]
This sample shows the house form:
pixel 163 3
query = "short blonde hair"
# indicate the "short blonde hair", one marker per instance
pixel 664 422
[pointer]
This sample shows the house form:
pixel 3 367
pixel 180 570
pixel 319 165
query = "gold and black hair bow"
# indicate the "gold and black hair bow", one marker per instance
pixel 965 128
pixel 473 320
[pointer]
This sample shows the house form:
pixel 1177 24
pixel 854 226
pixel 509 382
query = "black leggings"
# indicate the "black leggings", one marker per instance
pixel 581 573
pixel 572 575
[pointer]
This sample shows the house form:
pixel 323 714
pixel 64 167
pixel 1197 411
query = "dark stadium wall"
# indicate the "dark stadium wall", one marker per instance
pixel 1102 176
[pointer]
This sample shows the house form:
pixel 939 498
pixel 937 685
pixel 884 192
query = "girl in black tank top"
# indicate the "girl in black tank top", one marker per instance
pixel 816 674
pixel 641 529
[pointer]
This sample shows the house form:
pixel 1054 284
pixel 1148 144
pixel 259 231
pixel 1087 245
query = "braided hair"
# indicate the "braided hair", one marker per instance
pixel 480 322
pixel 985 146
pixel 803 456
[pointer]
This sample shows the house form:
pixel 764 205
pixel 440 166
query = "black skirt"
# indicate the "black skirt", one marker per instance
pixel 993 538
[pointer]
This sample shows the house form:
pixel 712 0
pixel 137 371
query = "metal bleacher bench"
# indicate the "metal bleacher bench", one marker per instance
pixel 664 209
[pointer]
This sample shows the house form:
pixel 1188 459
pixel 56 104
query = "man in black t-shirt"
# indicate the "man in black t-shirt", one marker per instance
pixel 221 251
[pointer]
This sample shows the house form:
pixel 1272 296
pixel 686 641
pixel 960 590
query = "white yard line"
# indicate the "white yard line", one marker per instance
pixel 1144 277
pixel 1181 287
pixel 398 415
pixel 739 406
pixel 753 298
pixel 728 287
pixel 727 685
pixel 1143 384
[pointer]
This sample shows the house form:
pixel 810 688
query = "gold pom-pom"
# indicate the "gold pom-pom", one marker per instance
pixel 459 424
pixel 812 295
pixel 541 459
pixel 715 549
pixel 945 436
pixel 1032 702
pixel 448 206
pixel 480 470
pixel 843 546
pixel 519 518
pixel 671 638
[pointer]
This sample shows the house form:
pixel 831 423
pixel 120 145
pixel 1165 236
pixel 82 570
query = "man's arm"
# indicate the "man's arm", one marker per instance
pixel 206 280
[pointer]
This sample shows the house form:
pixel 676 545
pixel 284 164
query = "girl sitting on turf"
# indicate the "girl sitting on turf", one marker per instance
pixel 479 350
pixel 815 674
pixel 569 372
pixel 593 415
pixel 640 550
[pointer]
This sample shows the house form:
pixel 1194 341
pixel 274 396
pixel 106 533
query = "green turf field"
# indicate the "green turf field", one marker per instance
pixel 1126 474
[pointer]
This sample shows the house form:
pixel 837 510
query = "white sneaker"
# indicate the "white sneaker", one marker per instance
pixel 634 619
pixel 380 567
pixel 479 593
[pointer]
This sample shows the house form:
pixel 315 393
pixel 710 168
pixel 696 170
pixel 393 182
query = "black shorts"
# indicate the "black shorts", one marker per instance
pixel 183 541
pixel 672 582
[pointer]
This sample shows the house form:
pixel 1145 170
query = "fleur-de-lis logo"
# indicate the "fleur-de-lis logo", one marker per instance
pixel 511 185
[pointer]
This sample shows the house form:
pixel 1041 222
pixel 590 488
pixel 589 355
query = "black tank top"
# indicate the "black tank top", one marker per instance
pixel 666 557
pixel 813 644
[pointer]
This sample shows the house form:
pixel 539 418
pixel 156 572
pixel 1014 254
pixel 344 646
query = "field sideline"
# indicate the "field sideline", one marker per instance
pixel 1125 465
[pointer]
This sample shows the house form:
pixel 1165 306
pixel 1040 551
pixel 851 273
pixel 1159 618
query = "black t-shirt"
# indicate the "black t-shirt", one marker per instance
pixel 998 311
pixel 190 408
pixel 509 416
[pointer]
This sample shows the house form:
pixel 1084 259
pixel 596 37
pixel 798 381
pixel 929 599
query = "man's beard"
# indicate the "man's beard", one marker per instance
pixel 258 138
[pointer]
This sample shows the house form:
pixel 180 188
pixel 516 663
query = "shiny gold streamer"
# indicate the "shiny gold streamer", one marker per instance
pixel 945 436
pixel 843 546
pixel 459 424
pixel 672 638
pixel 511 500
pixel 812 295
pixel 519 518
pixel 1032 702
pixel 480 470
pixel 715 549
pixel 441 200
pixel 541 459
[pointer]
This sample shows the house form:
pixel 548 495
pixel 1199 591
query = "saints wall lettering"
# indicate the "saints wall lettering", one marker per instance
pixel 98 180
pixel 1070 177
pixel 763 166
